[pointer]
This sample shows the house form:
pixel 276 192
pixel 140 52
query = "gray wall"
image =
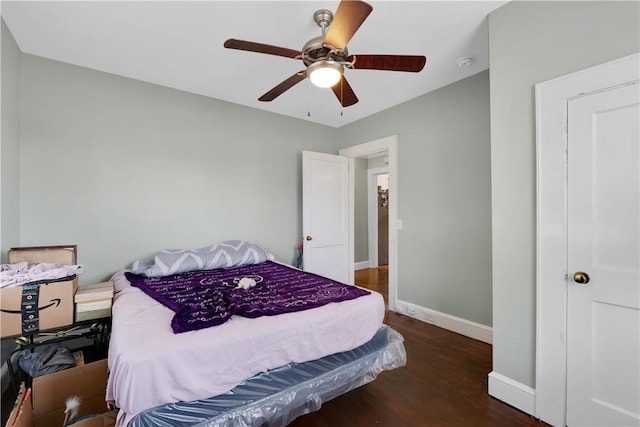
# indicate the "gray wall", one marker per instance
pixel 125 168
pixel 531 42
pixel 361 211
pixel 10 144
pixel 444 195
pixel 9 163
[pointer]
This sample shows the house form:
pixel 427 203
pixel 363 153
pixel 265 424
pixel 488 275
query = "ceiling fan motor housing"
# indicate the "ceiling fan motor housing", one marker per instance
pixel 315 50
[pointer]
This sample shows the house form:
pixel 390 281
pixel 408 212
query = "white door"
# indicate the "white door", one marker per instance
pixel 603 310
pixel 325 215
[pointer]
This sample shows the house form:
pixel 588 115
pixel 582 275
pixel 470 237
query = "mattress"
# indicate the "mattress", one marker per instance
pixel 151 366
pixel 277 397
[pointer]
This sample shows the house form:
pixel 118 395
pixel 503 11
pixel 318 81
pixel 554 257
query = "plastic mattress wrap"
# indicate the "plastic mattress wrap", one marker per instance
pixel 277 397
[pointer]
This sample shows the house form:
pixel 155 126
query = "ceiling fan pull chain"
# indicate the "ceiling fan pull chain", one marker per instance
pixel 308 100
pixel 341 97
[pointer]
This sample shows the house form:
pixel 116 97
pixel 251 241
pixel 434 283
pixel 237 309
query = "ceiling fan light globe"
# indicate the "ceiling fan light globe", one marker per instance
pixel 325 77
pixel 325 73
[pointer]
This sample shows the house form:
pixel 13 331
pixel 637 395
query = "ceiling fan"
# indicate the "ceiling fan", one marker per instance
pixel 326 56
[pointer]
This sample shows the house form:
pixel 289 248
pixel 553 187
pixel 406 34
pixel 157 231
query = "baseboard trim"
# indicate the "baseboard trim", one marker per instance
pixel 361 265
pixel 512 392
pixel 446 321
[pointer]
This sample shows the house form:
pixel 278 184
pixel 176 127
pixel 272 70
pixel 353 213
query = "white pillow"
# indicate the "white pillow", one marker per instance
pixel 231 253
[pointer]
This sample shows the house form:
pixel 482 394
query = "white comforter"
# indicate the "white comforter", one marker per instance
pixel 151 366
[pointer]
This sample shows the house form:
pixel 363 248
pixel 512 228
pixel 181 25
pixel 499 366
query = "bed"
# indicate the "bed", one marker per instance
pixel 331 348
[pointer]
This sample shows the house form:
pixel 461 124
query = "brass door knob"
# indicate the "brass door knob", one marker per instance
pixel 309 238
pixel 581 277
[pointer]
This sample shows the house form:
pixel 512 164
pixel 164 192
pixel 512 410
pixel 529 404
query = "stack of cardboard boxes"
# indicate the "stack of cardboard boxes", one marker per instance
pixel 52 306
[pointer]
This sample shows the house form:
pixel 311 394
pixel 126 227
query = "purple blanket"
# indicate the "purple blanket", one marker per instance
pixel 208 298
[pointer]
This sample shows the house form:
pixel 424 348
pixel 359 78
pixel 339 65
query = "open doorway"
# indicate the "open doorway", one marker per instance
pixel 367 267
pixel 371 222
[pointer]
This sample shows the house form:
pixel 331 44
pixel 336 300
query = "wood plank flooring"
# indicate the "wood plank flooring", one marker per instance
pixel 443 384
pixel 376 279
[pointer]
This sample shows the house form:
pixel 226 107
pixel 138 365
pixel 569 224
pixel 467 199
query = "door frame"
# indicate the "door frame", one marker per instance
pixel 372 212
pixel 390 145
pixel 552 97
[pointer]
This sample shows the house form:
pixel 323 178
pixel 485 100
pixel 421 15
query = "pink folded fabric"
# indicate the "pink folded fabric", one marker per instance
pixel 20 273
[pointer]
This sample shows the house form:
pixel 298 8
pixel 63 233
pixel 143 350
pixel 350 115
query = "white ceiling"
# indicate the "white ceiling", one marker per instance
pixel 179 44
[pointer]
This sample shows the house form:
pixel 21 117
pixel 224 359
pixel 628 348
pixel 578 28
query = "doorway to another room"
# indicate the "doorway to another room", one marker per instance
pixel 384 151
pixel 371 211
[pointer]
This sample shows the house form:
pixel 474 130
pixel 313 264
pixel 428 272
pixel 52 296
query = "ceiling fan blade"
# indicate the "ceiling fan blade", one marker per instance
pixel 344 93
pixel 261 48
pixel 284 86
pixel 409 63
pixel 348 18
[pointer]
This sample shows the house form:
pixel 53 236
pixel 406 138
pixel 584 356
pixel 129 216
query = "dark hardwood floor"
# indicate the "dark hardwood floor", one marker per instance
pixel 443 384
pixel 376 279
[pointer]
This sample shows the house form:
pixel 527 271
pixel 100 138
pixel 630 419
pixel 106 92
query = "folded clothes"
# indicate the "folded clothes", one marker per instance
pixel 21 273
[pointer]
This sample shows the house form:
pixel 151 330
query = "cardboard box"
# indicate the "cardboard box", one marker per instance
pixel 54 308
pixel 17 412
pixel 46 404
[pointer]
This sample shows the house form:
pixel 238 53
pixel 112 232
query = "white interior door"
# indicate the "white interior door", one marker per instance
pixel 603 311
pixel 325 215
